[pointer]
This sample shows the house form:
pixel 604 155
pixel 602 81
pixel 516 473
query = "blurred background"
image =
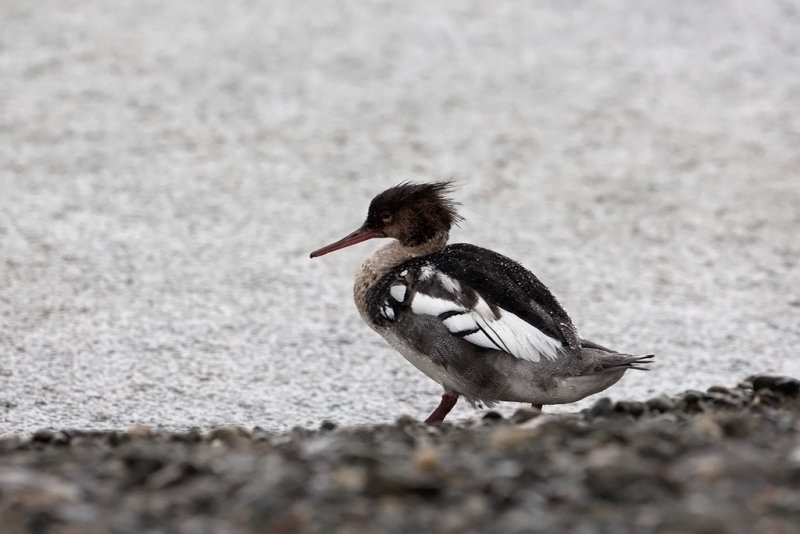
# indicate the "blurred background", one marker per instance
pixel 166 167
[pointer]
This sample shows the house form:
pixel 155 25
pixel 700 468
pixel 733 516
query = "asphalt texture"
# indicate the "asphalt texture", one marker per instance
pixel 166 167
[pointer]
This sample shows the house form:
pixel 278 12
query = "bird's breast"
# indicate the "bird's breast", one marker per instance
pixel 381 263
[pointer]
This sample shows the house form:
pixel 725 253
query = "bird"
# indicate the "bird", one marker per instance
pixel 475 321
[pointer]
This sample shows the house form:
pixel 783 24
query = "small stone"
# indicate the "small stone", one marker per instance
pixel 606 455
pixel 704 523
pixel 747 383
pixel 661 403
pixel 762 381
pixel 718 389
pixel 114 438
pixel 509 437
pixel 137 432
pixel 767 397
pixel 691 401
pixel 739 426
pixel 787 386
pixel 603 406
pixel 693 396
pixel 193 435
pixel 141 465
pixel 9 442
pixel 708 467
pixel 492 416
pixel 229 434
pixel 171 475
pixel 707 426
pixel 525 414
pixel 396 479
pixel 783 384
pixel 477 506
pixel 62 437
pixel 633 408
pixel 260 434
pixel 723 400
pixel 405 420
pixel 426 458
pixel 42 436
pixel 618 482
pixel 327 425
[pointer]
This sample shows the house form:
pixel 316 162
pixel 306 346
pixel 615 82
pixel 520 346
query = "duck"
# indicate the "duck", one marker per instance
pixel 475 321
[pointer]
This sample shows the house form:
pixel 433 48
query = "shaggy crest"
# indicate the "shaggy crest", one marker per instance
pixel 422 210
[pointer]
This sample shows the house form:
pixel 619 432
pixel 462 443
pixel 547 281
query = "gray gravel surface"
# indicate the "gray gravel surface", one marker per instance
pixel 725 460
pixel 165 168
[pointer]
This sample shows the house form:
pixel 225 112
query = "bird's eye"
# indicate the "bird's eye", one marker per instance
pixel 386 217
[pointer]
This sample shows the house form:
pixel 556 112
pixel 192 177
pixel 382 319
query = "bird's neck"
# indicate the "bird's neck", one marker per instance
pixel 385 259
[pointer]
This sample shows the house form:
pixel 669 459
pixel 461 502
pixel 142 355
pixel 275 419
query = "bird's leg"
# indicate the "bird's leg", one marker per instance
pixel 441 411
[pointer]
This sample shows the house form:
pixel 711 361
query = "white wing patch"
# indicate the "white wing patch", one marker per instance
pixel 449 285
pixel 509 333
pixel 423 304
pixel 398 292
pixel 460 322
pixel 425 273
pixel 480 339
pixel 479 325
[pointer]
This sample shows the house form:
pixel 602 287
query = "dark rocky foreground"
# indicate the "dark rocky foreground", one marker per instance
pixel 724 460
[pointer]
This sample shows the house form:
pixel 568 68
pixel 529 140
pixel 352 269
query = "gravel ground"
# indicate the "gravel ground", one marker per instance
pixel 722 461
pixel 165 168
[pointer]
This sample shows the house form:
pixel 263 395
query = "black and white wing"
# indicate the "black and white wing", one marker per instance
pixel 481 297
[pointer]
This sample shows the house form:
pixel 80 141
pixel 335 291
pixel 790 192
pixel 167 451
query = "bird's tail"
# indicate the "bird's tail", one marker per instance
pixel 633 362
pixel 610 360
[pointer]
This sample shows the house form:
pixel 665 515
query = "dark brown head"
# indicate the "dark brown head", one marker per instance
pixel 411 213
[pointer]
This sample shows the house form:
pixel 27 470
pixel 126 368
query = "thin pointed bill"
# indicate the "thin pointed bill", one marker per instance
pixel 362 234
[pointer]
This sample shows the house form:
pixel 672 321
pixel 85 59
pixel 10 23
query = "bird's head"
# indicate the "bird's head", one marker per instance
pixel 414 214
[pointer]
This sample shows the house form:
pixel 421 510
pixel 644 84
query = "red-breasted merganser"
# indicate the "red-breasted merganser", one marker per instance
pixel 473 320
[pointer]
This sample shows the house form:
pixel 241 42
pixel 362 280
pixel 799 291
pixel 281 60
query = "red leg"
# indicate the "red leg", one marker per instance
pixel 441 411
